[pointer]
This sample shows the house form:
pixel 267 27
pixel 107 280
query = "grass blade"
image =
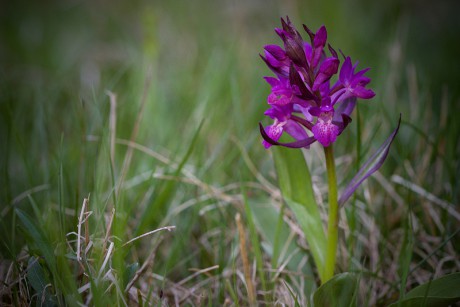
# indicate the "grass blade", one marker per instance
pixel 168 189
pixel 41 242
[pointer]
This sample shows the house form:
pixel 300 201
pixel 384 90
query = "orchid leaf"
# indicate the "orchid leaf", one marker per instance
pixel 371 165
pixel 338 291
pixel 443 291
pixel 296 188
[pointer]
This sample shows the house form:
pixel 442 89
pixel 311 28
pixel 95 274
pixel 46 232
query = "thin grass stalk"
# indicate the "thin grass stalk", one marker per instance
pixel 112 125
pixel 134 133
pixel 255 243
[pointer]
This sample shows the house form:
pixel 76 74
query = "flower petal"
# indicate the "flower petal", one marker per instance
pixel 346 72
pixel 345 107
pixel 320 37
pixel 363 93
pixel 276 51
pixel 295 79
pixel 272 81
pixel 274 132
pixel 328 68
pixel 297 144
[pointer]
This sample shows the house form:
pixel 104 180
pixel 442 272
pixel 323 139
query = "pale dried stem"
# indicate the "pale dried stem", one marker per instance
pixel 450 208
pixel 106 260
pixel 199 272
pixel 81 220
pixel 244 258
pixel 284 264
pixel 144 266
pixel 86 221
pixel 190 177
pixel 168 228
pixel 251 165
pixel 109 228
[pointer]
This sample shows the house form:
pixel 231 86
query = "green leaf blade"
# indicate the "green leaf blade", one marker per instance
pixel 340 291
pixel 296 187
pixel 39 239
pixel 439 292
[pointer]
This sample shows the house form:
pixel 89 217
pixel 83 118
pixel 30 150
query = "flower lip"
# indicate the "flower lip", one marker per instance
pixel 325 132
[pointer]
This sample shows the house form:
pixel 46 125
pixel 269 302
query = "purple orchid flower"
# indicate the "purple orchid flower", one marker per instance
pixel 283 121
pixel 351 84
pixel 301 97
pixel 282 92
pixel 277 60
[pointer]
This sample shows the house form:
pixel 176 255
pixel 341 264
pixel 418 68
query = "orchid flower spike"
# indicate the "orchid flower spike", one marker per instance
pixel 302 101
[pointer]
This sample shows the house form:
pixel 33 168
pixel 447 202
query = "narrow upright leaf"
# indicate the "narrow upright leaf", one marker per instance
pixel 371 165
pixel 296 187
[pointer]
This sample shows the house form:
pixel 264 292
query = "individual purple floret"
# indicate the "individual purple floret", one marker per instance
pixel 302 101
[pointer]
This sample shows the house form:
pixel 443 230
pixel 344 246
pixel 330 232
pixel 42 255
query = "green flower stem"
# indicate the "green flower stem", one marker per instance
pixel 333 221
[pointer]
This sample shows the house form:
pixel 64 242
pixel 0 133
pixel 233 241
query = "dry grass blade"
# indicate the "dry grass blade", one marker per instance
pixel 106 260
pixel 80 221
pixel 168 228
pixel 183 281
pixel 109 228
pixel 244 257
pixel 141 269
pixel 251 165
pixel 425 194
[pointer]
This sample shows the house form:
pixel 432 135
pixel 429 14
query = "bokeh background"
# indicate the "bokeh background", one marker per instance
pixel 183 63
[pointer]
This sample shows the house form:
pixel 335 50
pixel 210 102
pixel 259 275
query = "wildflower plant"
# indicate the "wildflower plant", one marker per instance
pixel 313 94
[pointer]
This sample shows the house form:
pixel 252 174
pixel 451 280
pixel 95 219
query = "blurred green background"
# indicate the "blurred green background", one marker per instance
pixel 59 57
pixel 198 61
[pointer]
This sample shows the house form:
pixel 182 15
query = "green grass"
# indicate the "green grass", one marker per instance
pixel 182 148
